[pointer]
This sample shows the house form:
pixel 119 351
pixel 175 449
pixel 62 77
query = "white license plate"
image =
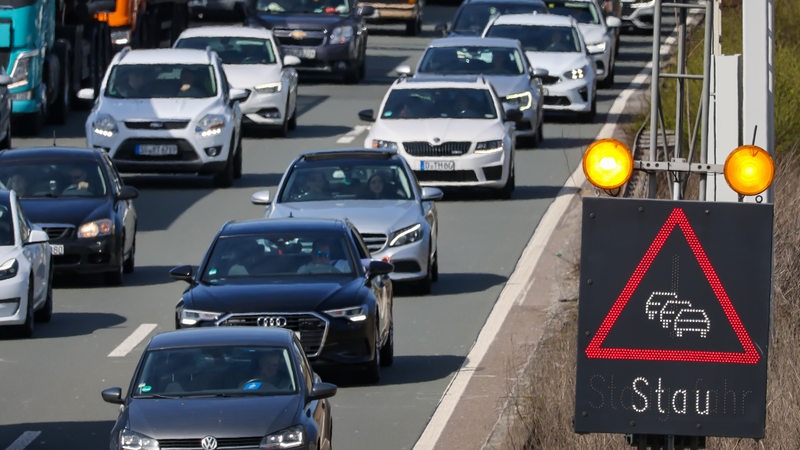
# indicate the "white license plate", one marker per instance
pixel 437 165
pixel 157 149
pixel 57 249
pixel 305 53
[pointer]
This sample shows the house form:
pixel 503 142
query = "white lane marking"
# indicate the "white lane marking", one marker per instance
pixel 138 335
pixel 24 440
pixel 519 281
pixel 352 134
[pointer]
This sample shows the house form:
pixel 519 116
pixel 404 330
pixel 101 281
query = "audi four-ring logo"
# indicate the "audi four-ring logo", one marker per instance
pixel 209 443
pixel 272 321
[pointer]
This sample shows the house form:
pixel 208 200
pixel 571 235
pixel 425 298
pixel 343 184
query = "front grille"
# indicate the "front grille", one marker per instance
pixel 55 233
pixel 127 150
pixel 242 443
pixel 455 176
pixel 312 328
pixel 421 148
pixel 157 125
pixel 552 100
pixel 493 173
pixel 549 79
pixel 375 242
pixel 407 266
pixel 303 38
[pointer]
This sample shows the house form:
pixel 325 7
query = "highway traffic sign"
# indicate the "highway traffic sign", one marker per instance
pixel 673 317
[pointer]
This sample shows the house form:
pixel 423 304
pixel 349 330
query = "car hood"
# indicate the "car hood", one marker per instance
pixel 283 294
pixel 592 33
pixel 557 62
pixel 428 130
pixel 318 21
pixel 157 108
pixel 63 210
pixel 246 76
pixel 219 417
pixel 369 216
pixel 503 84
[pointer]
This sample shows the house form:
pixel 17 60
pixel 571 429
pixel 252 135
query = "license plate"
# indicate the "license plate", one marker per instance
pixel 157 149
pixel 437 165
pixel 305 53
pixel 57 249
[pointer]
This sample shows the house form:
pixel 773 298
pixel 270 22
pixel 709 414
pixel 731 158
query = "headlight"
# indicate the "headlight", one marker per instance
pixel 597 47
pixel 105 125
pixel 489 146
pixel 521 101
pixel 21 70
pixel 102 227
pixel 121 37
pixel 289 438
pixel 269 88
pixel 406 235
pixel 353 314
pixel 190 317
pixel 9 269
pixel 341 35
pixel 131 440
pixel 576 74
pixel 379 143
pixel 210 125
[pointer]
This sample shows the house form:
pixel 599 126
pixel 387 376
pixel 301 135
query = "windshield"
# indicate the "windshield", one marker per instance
pixel 64 178
pixel 472 19
pixel 540 38
pixel 161 81
pixel 233 50
pixel 472 60
pixel 303 6
pixel 336 181
pixel 439 103
pixel 216 371
pixel 583 12
pixel 247 257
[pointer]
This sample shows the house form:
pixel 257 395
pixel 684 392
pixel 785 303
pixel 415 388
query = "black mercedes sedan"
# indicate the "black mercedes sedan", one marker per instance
pixel 312 276
pixel 223 388
pixel 77 196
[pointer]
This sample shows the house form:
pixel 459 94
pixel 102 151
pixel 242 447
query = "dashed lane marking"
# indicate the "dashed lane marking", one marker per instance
pixel 138 335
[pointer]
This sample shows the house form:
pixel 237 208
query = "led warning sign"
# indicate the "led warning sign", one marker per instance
pixel 673 317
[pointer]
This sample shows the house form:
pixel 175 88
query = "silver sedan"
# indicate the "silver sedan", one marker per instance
pixel 377 191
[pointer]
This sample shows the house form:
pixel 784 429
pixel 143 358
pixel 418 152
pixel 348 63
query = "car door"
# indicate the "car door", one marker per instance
pixel 288 78
pixel 37 254
pixel 124 209
pixel 318 410
pixel 380 285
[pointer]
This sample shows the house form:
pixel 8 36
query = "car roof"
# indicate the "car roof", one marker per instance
pixel 458 41
pixel 166 55
pixel 350 153
pixel 449 81
pixel 283 225
pixel 226 30
pixel 505 2
pixel 208 336
pixel 50 153
pixel 545 20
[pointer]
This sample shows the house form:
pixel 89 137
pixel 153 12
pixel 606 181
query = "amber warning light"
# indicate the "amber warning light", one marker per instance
pixel 749 170
pixel 608 164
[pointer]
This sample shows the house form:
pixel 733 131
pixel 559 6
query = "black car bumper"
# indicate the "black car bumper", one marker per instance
pixel 98 255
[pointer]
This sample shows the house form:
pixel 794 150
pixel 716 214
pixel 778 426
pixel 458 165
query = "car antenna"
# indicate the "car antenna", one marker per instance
pixel 291 214
pixel 54 138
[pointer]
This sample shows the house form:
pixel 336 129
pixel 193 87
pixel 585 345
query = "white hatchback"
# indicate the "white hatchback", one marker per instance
pixel 554 43
pixel 452 131
pixel 252 61
pixel 168 111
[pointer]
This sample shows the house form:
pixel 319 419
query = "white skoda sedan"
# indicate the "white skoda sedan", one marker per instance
pixel 252 61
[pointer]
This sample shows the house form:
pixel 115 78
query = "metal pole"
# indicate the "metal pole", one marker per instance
pixel 707 46
pixel 654 96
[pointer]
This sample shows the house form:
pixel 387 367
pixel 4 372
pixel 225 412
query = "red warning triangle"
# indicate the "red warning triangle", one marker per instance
pixel 595 348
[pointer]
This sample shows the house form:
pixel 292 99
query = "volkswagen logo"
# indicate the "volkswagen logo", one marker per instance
pixel 272 321
pixel 209 443
pixel 298 34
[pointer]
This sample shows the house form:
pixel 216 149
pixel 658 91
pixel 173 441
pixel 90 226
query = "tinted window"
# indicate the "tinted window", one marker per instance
pixel 583 12
pixel 540 38
pixel 451 103
pixel 335 180
pixel 162 81
pixel 61 178
pixel 471 19
pixel 303 6
pixel 472 60
pixel 234 50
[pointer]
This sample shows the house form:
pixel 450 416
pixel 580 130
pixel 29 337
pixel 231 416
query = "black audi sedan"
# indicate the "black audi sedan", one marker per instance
pixel 223 388
pixel 312 276
pixel 77 196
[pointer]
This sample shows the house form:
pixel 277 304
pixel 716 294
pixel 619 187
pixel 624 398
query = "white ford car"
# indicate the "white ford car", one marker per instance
pixel 452 131
pixel 168 111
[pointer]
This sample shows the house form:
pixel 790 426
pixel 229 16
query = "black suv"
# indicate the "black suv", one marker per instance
pixel 329 36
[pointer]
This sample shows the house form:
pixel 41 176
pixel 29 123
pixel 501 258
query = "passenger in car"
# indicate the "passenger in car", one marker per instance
pixel 380 187
pixel 321 261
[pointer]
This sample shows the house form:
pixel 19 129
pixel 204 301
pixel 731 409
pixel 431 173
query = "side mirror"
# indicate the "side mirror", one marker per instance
pixel 183 273
pixel 367 115
pixel 322 390
pixel 431 193
pixel 366 11
pixel 260 198
pixel 291 60
pixel 538 72
pixel 404 70
pixel 613 22
pixel 237 94
pixel 37 236
pixel 443 28
pixel 85 94
pixel 112 395
pixel 127 193
pixel 377 267
pixel 5 79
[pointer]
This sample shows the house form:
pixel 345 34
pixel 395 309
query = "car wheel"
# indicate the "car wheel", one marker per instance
pixel 26 329
pixel 225 177
pixel 237 160
pixel 588 117
pixel 283 128
pixel 508 189
pixel 423 286
pixel 293 119
pixel 435 267
pixel 130 262
pixel 387 350
pixel 609 80
pixel 372 372
pixel 413 27
pixel 46 313
pixel 6 143
pixel 114 277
